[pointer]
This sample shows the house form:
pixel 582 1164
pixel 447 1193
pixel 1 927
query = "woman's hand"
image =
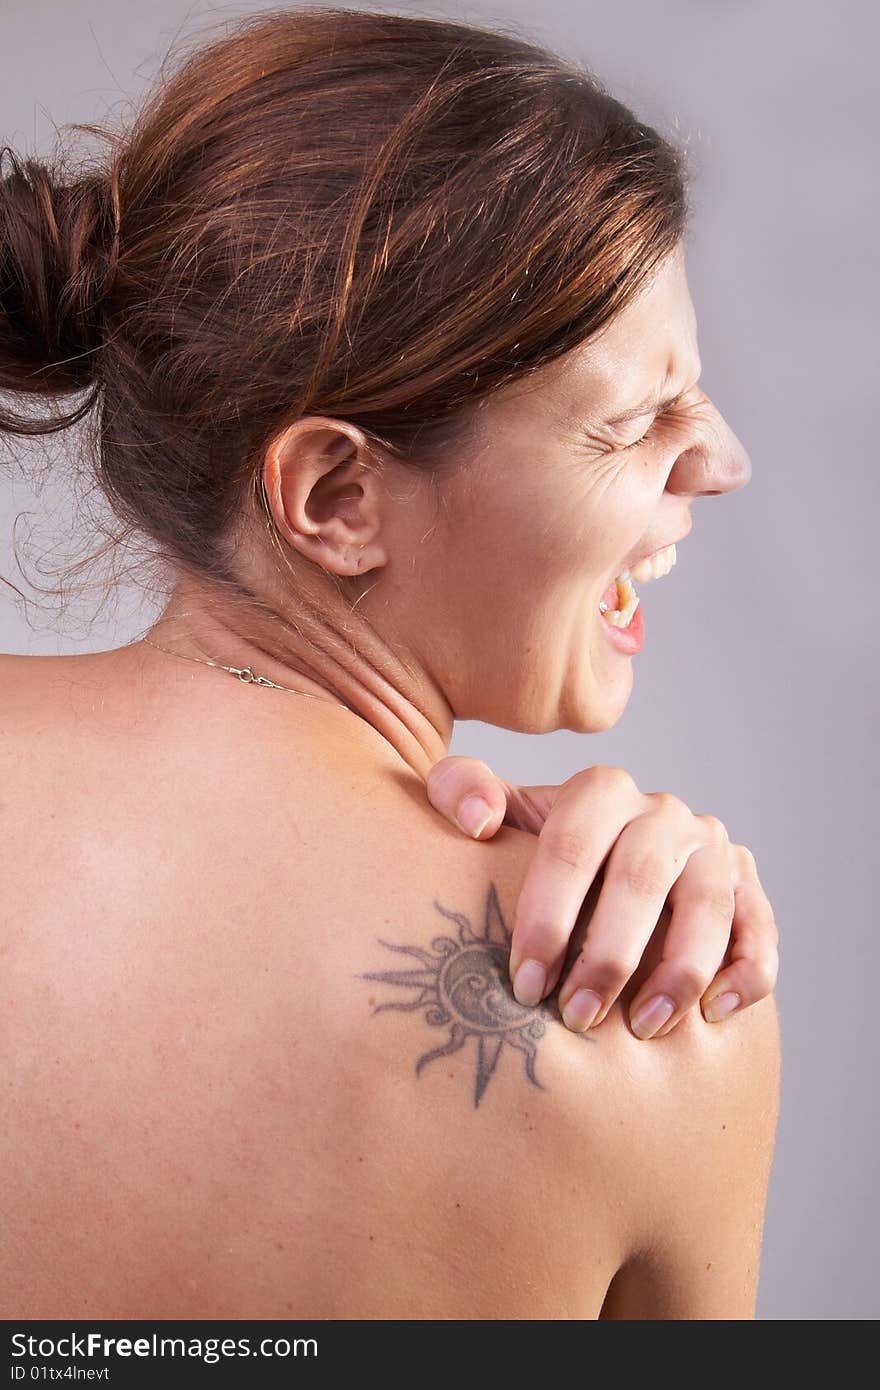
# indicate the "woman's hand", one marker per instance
pixel 657 851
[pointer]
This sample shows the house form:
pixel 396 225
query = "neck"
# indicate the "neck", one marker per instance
pixel 324 649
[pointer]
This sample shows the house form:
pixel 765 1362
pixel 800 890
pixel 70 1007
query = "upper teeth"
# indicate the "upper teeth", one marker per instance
pixel 655 566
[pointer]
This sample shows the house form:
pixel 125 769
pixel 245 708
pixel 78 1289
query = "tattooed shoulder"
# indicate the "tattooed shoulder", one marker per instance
pixel 463 986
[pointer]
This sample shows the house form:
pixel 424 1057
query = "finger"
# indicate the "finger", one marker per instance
pixel 647 859
pixel 754 956
pixel 586 819
pixel 467 792
pixel 694 946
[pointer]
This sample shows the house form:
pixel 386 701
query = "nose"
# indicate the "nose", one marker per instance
pixel 716 462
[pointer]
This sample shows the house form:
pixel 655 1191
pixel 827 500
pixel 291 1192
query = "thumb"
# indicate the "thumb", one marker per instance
pixel 467 792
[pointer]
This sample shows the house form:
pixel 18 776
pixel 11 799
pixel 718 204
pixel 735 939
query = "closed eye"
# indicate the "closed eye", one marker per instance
pixel 636 442
pixel 659 416
pixel 643 437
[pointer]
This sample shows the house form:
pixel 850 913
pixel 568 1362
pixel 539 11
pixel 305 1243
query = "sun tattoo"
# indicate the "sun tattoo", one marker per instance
pixel 462 982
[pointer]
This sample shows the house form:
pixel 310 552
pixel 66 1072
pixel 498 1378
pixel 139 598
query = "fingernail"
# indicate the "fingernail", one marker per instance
pixel 721 1006
pixel 529 982
pixel 652 1016
pixel 581 1009
pixel 474 815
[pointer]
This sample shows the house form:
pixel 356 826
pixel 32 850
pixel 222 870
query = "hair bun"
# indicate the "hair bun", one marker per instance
pixel 58 246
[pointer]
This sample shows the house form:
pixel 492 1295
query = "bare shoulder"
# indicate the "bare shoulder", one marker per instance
pixel 682 1082
pixel 337 958
pixel 600 1145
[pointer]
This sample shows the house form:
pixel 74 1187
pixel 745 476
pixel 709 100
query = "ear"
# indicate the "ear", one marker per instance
pixel 323 487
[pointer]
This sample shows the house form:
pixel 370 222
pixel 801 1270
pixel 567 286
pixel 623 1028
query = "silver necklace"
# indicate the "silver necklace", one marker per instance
pixel 246 674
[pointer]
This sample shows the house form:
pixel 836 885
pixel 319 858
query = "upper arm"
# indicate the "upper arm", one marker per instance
pixel 707 1162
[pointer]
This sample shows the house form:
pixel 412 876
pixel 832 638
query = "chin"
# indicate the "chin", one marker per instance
pixel 606 721
pixel 599 712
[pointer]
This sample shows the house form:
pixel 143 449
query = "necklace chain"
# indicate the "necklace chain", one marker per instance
pixel 246 675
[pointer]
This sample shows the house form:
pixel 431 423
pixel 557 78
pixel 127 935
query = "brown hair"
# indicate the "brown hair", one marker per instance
pixel 373 217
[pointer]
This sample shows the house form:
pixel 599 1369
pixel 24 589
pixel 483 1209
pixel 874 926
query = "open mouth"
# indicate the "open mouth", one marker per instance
pixel 620 600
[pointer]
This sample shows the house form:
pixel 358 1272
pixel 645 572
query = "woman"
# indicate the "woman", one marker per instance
pixel 396 364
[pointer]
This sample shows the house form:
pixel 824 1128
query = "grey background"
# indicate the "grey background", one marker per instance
pixel 753 692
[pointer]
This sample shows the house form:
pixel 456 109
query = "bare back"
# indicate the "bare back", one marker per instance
pixel 260 1058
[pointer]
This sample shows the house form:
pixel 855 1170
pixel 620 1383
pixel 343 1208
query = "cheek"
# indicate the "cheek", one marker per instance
pixel 499 536
pixel 540 532
pixel 615 527
pixel 604 509
pixel 591 542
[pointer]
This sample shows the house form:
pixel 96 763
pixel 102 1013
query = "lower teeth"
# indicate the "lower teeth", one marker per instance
pixel 628 598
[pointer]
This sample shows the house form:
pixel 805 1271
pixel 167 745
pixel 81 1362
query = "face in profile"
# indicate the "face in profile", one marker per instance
pixel 572 478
